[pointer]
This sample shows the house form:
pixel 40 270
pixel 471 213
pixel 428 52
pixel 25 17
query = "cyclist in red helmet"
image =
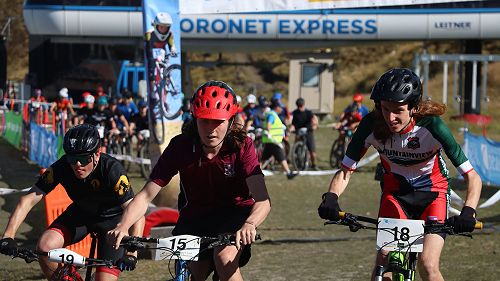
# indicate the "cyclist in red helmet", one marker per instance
pixel 353 113
pixel 222 185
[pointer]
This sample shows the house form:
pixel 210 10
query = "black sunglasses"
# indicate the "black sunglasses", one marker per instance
pixel 83 159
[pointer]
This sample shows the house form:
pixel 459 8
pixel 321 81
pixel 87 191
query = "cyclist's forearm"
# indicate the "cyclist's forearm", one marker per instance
pixel 22 209
pixel 474 186
pixel 138 206
pixel 259 213
pixel 339 181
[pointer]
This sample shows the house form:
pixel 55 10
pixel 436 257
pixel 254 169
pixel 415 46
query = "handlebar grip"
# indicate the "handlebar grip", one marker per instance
pixel 478 225
pixel 342 215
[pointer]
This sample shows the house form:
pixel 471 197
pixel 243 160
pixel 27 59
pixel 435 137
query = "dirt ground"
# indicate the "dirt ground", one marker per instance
pixel 295 245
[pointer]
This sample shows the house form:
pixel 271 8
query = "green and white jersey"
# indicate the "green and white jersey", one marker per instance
pixel 413 159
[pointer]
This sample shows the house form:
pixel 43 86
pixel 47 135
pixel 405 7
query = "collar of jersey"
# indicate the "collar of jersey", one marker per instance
pixel 408 128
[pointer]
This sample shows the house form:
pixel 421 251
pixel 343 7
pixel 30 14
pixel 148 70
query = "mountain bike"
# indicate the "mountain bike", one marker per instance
pixel 339 146
pixel 300 153
pixel 69 260
pixel 166 99
pixel 403 238
pixel 181 248
pixel 119 143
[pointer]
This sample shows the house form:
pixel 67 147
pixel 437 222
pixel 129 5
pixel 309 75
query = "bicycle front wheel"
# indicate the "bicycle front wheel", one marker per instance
pixel 300 157
pixel 171 92
pixel 144 153
pixel 337 153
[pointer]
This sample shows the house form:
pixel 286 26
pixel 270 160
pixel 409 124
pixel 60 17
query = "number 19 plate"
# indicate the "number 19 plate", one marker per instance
pixel 399 234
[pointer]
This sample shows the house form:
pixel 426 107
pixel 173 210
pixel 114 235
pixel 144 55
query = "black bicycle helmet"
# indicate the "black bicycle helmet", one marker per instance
pixel 398 85
pixel 81 139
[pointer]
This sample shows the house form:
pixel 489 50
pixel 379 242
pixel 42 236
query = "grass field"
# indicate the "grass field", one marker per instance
pixel 296 245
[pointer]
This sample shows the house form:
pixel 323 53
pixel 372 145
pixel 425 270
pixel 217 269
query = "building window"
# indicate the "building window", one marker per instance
pixel 310 75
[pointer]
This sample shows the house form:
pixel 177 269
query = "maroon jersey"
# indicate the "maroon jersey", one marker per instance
pixel 207 185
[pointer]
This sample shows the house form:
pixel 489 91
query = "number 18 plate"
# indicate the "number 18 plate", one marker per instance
pixel 399 234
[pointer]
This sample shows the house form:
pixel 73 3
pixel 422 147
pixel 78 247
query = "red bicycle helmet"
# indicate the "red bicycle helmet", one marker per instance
pixel 357 97
pixel 214 100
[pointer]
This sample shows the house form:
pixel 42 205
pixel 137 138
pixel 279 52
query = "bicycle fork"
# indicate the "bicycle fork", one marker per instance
pixel 401 271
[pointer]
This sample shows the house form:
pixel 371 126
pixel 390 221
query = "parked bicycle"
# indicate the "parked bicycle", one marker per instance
pixel 143 153
pixel 181 248
pixel 339 146
pixel 166 101
pixel 403 238
pixel 120 143
pixel 300 153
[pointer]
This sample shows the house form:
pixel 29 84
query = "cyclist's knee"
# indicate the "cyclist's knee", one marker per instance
pixel 428 267
pixel 50 239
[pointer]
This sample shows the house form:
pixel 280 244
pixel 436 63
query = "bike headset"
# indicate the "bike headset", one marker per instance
pixel 162 19
pixel 82 139
pixel 398 85
pixel 215 100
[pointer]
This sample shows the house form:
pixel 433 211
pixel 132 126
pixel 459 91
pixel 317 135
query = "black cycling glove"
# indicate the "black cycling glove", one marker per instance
pixel 329 209
pixel 8 246
pixel 465 222
pixel 127 262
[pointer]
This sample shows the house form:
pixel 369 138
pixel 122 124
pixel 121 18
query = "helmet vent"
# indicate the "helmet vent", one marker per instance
pixel 217 105
pixel 214 94
pixel 406 78
pixel 207 104
pixel 227 107
pixel 394 87
pixel 406 90
pixel 226 94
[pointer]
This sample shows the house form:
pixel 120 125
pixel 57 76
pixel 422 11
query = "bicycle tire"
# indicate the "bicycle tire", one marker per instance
pixel 168 89
pixel 144 153
pixel 337 153
pixel 300 157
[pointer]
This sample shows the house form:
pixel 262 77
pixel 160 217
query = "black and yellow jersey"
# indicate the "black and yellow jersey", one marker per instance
pixel 101 193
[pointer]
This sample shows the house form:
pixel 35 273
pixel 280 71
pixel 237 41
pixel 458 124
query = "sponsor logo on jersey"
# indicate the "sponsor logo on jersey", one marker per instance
pixel 48 176
pixel 122 186
pixel 413 143
pixel 229 170
pixel 95 183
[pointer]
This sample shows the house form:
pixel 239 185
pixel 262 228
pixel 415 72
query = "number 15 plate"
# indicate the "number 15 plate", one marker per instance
pixel 399 234
pixel 185 247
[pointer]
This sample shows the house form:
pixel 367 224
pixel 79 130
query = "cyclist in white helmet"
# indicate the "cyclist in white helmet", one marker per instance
pixel 158 38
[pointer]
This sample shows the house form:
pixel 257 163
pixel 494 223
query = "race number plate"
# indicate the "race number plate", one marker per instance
pixel 185 247
pixel 66 256
pixel 398 234
pixel 158 53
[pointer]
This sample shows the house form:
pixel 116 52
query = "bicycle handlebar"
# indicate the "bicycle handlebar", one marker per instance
pixel 430 227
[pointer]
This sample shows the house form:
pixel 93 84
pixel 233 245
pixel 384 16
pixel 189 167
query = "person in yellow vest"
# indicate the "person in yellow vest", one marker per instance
pixel 274 131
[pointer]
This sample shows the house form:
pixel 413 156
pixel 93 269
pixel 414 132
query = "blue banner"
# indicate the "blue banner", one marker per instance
pixel 44 146
pixel 164 46
pixel 484 155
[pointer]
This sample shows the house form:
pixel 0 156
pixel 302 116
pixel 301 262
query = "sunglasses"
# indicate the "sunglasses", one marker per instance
pixel 83 159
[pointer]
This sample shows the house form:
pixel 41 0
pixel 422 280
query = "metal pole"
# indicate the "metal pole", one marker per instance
pixel 484 92
pixel 455 87
pixel 445 82
pixel 474 85
pixel 426 79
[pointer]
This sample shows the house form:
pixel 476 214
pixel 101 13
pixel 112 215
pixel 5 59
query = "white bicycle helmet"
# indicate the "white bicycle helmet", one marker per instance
pixel 63 93
pixel 238 99
pixel 89 99
pixel 162 19
pixel 251 98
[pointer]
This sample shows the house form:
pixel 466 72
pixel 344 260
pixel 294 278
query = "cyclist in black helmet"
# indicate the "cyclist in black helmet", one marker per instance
pixel 411 139
pixel 100 190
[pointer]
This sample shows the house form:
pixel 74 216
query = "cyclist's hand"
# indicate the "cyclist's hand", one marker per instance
pixel 465 222
pixel 246 234
pixel 115 237
pixel 127 262
pixel 8 246
pixel 329 209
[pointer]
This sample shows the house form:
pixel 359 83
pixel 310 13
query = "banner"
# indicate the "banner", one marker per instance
pixel 484 155
pixel 242 6
pixel 13 128
pixel 45 146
